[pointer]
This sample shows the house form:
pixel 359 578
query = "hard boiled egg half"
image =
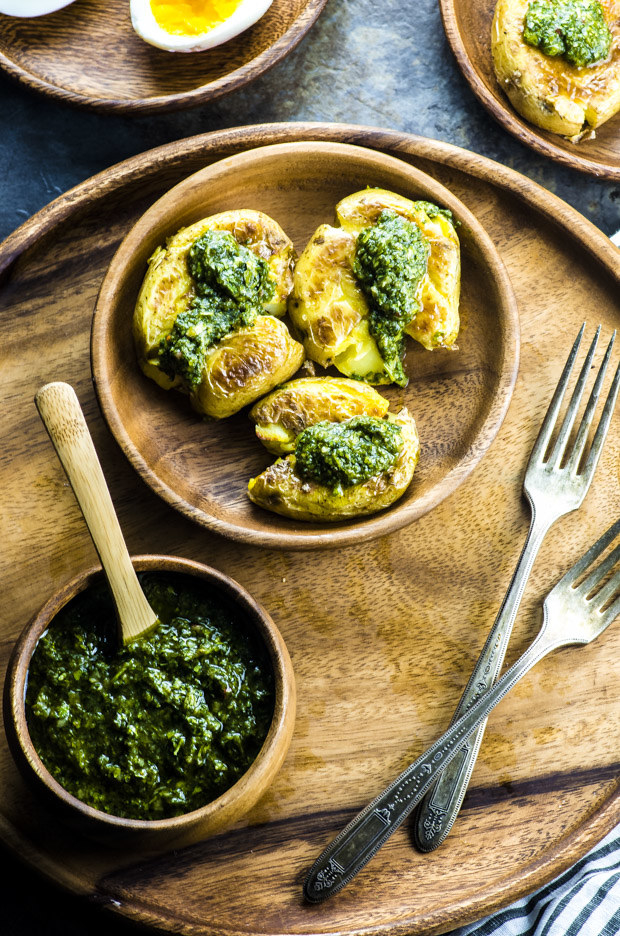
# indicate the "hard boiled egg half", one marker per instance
pixel 193 25
pixel 31 7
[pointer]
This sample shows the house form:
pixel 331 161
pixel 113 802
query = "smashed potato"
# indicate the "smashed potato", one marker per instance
pixel 204 320
pixel 280 487
pixel 329 307
pixel 290 409
pixel 550 92
pixel 245 366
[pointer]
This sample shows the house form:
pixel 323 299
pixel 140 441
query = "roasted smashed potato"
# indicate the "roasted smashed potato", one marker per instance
pixel 329 308
pixel 244 366
pixel 290 409
pixel 281 488
pixel 552 93
pixel 257 352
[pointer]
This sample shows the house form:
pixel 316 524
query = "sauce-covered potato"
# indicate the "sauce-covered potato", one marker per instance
pixel 282 489
pixel 333 307
pixel 287 411
pixel 204 319
pixel 572 87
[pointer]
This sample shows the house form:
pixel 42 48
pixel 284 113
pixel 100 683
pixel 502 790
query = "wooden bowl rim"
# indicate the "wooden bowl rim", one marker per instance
pixel 272 751
pixel 313 535
pixel 541 141
pixel 165 103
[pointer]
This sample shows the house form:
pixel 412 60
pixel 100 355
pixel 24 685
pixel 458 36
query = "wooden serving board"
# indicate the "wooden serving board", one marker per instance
pixel 382 635
pixel 468 30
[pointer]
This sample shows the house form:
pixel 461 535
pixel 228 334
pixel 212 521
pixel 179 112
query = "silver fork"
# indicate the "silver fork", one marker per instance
pixel 554 486
pixel 579 608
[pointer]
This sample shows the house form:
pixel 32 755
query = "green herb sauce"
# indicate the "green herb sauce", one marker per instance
pixel 159 727
pixel 339 455
pixel 575 30
pixel 390 260
pixel 232 287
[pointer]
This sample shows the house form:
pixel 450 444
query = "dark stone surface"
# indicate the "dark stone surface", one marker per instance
pixel 363 62
pixel 385 64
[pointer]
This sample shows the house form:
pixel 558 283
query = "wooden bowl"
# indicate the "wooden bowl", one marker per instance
pixel 89 55
pixel 150 836
pixel 202 469
pixel 468 29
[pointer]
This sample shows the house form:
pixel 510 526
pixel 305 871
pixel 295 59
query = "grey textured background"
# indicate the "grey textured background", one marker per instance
pixel 374 62
pixel 383 63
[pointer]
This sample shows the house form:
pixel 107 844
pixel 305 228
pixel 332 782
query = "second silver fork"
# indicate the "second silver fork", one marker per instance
pixel 554 485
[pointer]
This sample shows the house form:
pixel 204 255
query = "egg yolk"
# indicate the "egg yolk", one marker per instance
pixel 191 17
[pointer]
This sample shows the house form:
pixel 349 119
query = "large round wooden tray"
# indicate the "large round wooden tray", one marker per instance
pixel 88 54
pixel 468 30
pixel 382 635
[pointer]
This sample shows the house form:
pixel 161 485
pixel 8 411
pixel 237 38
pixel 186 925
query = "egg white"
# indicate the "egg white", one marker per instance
pixel 147 27
pixel 31 7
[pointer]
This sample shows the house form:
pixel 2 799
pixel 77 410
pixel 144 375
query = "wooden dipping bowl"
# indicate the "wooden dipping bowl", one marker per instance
pixel 151 836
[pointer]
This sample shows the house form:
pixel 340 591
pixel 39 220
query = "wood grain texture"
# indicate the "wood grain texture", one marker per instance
pixel 457 399
pixel 382 635
pixel 468 30
pixel 88 54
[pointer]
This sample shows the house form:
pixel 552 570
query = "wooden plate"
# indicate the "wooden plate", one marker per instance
pixel 88 54
pixel 468 29
pixel 457 398
pixel 382 635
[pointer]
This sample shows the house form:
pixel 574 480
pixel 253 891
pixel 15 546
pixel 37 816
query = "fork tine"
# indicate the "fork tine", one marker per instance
pixel 584 428
pixel 612 612
pixel 583 564
pixel 603 426
pixel 547 427
pixel 609 591
pixel 560 445
pixel 597 575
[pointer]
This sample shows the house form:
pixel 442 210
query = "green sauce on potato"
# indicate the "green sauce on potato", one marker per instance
pixel 232 287
pixel 575 30
pixel 390 260
pixel 342 454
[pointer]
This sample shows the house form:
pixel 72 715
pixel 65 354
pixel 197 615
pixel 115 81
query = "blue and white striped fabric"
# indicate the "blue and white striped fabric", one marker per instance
pixel 584 901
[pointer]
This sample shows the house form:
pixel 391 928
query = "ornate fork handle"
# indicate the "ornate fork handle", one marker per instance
pixel 576 611
pixel 364 835
pixel 440 807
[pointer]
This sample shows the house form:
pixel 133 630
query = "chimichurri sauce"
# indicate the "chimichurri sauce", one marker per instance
pixel 575 30
pixel 390 260
pixel 157 728
pixel 339 455
pixel 232 286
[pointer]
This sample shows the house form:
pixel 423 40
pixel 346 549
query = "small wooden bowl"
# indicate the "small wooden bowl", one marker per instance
pixel 151 836
pixel 458 398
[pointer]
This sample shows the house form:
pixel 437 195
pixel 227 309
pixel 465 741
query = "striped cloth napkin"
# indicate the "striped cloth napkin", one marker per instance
pixel 584 901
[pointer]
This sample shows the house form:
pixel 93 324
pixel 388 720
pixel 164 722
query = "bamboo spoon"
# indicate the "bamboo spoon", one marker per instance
pixel 60 410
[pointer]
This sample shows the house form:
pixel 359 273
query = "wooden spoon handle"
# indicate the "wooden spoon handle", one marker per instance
pixel 60 410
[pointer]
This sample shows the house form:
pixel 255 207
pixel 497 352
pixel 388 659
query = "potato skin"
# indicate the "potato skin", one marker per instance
pixel 290 409
pixel 245 366
pixel 237 369
pixel 281 490
pixel 550 92
pixel 329 309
